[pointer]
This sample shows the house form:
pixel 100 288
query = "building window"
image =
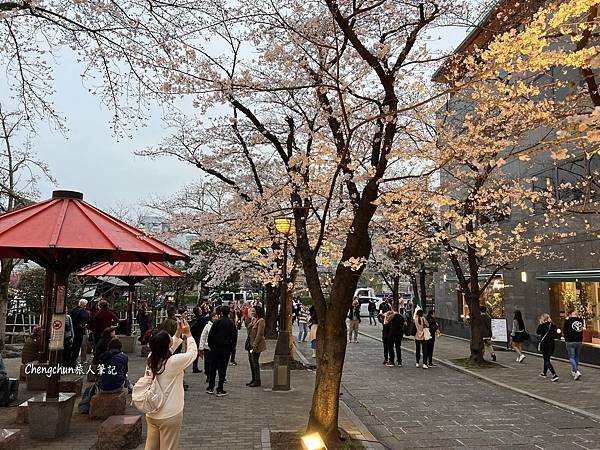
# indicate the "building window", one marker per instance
pixel 492 298
pixel 586 297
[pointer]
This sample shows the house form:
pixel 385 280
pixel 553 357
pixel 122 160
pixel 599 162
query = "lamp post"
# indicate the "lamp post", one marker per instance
pixel 281 360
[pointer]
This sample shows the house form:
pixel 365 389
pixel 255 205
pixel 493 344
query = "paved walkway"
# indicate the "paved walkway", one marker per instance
pixel 239 421
pixel 408 407
pixel 582 395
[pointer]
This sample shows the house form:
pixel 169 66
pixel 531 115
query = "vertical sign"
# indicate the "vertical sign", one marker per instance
pixel 60 299
pixel 57 332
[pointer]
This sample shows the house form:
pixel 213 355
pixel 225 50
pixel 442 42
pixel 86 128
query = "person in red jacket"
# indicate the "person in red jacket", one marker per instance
pixel 103 319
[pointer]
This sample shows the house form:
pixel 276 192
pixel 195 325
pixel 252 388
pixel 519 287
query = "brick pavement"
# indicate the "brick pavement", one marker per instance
pixel 408 407
pixel 234 422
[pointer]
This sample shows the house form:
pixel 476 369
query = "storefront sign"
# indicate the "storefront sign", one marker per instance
pixel 57 332
pixel 499 330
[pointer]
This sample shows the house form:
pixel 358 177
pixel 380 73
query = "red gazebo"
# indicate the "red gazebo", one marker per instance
pixel 64 234
pixel 131 273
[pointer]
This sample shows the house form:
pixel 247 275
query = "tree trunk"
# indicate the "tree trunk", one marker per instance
pixel 415 289
pixel 271 313
pixel 477 328
pixel 396 291
pixel 423 287
pixel 331 351
pixel 5 271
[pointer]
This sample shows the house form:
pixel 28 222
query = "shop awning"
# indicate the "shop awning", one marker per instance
pixel 572 275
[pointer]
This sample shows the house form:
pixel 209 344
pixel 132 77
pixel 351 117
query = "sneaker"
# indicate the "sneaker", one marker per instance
pixel 385 362
pixel 356 341
pixel 577 375
pixel 425 366
pixel 389 364
pixel 432 365
pixel 417 365
pixel 493 357
pixel 573 374
pixel 521 358
pixel 233 363
pixel 543 375
pixel 210 391
pixel 555 378
pixel 399 364
pixel 221 393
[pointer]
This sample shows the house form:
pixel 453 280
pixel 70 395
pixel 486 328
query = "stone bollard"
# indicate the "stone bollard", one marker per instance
pixel 128 343
pixel 103 405
pixel 119 433
pixel 22 414
pixel 10 439
pixel 71 384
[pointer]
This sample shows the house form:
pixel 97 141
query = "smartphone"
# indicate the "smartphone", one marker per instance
pixel 178 317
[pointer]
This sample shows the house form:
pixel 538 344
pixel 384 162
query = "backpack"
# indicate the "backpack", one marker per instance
pixel 147 395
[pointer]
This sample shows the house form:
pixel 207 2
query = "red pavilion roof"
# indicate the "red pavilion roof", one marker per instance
pixel 130 270
pixel 67 231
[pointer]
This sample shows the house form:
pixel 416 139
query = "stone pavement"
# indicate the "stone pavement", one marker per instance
pixel 239 421
pixel 581 396
pixel 408 407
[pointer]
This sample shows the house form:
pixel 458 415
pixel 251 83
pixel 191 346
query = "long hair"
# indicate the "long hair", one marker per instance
pixel 419 315
pixel 260 312
pixel 159 347
pixel 519 319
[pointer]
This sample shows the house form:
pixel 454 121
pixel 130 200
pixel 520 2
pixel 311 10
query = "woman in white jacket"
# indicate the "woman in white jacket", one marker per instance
pixel 164 426
pixel 203 343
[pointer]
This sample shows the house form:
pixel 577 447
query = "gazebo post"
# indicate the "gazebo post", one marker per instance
pixel 45 316
pixel 131 293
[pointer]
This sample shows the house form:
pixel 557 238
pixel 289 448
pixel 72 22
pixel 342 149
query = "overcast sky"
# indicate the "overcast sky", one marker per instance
pixel 90 159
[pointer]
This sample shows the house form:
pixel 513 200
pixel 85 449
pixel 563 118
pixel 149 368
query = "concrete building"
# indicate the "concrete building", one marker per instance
pixel 534 285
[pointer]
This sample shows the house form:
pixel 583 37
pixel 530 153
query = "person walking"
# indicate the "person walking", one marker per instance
pixel 314 326
pixel 258 344
pixel 197 325
pixel 573 332
pixel 433 328
pixel 547 332
pixel 372 310
pixel 487 332
pixel 79 318
pixel 164 425
pixel 220 341
pixel 303 319
pixel 203 348
pixel 518 335
pixel 395 323
pixel 354 316
pixel 422 337
pixel 384 307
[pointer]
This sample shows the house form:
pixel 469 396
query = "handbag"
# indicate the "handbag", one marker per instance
pixel 426 334
pixel 247 345
pixel 525 335
pixel 147 395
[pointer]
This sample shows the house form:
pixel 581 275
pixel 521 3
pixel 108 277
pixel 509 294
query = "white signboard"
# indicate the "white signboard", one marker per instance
pixel 57 332
pixel 499 330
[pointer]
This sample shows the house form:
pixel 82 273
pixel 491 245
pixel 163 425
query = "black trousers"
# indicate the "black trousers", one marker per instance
pixel 395 342
pixel 219 364
pixel 430 345
pixel 386 345
pixel 421 345
pixel 195 363
pixel 235 337
pixel 207 363
pixel 254 366
pixel 76 347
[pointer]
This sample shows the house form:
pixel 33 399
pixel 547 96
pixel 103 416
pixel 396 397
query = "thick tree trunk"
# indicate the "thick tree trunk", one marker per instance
pixel 415 289
pixel 5 271
pixel 477 328
pixel 271 313
pixel 396 291
pixel 331 351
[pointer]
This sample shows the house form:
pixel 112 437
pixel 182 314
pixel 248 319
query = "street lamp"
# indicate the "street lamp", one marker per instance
pixel 281 360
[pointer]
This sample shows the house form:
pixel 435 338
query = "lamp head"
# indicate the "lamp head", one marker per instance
pixel 285 225
pixel 313 442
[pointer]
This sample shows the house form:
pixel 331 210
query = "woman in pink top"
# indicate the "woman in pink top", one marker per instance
pixel 420 341
pixel 164 426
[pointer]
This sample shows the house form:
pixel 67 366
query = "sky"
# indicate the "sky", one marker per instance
pixel 89 158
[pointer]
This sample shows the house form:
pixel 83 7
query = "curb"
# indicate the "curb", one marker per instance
pixel 453 366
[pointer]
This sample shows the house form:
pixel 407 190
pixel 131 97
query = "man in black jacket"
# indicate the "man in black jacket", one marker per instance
pixel 573 332
pixel 79 319
pixel 220 342
pixel 197 324
pixel 395 331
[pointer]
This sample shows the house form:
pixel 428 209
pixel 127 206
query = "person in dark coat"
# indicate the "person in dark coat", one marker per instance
pixel 115 365
pixel 79 319
pixel 103 319
pixel 102 345
pixel 395 331
pixel 197 325
pixel 548 333
pixel 220 342
pixel 433 327
pixel 144 314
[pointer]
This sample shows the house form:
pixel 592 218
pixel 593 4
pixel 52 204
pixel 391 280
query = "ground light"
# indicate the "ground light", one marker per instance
pixel 313 442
